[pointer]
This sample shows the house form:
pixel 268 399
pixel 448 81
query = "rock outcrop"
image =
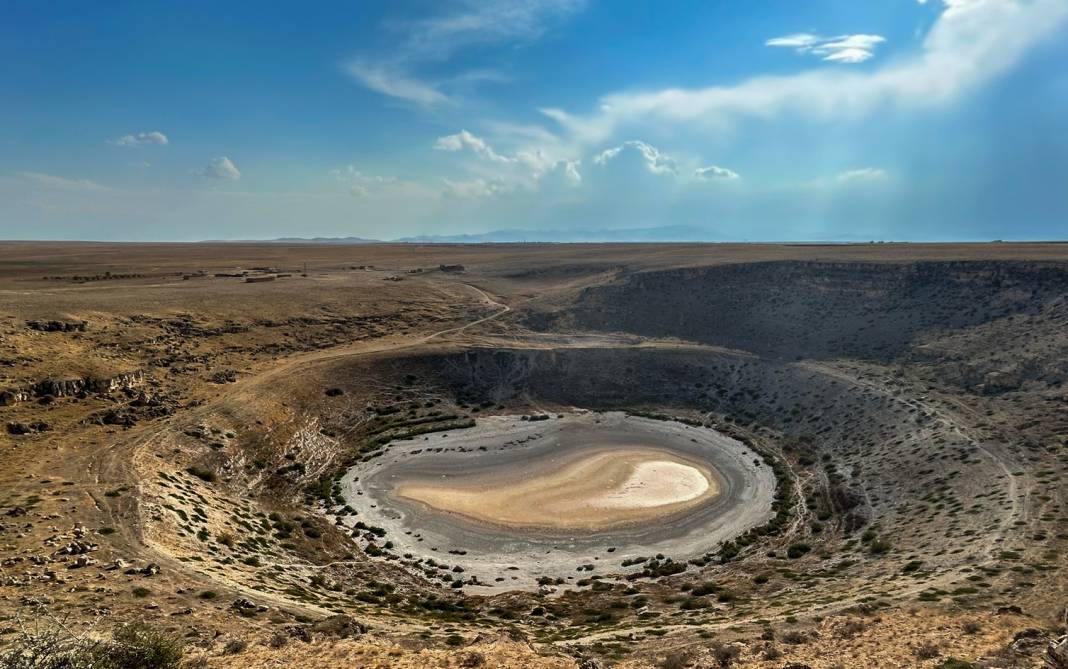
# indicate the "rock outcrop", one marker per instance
pixel 57 326
pixel 52 387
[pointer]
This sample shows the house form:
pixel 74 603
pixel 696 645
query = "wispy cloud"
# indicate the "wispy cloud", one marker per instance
pixel 655 161
pixel 438 39
pixel 363 185
pixel 392 81
pixel 971 43
pixel 360 184
pixel 715 173
pixel 478 188
pixel 465 139
pixel 141 139
pixel 221 168
pixel 840 49
pixel 861 174
pixel 61 183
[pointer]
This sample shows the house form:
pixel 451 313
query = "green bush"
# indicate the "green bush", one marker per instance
pixel 138 646
pixel 135 646
pixel 797 550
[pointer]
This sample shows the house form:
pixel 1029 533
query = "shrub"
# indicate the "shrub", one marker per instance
pixel 927 651
pixel 794 637
pixel 134 646
pixel 879 547
pixel 138 646
pixel 797 550
pixel 203 474
pixel 972 627
pixel 675 660
pixel 725 655
pixel 47 650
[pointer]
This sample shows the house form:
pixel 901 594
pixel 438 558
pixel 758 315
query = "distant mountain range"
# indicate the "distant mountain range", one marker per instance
pixel 316 240
pixel 671 233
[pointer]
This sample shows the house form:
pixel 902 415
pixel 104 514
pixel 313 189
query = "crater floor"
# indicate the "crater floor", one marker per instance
pixel 510 501
pixel 593 492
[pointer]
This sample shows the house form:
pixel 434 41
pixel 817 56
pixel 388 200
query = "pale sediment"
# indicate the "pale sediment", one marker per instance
pixel 594 491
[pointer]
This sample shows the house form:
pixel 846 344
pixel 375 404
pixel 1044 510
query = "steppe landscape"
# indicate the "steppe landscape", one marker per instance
pixel 537 455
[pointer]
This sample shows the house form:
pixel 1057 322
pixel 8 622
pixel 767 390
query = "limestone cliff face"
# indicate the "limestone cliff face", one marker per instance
pixel 72 387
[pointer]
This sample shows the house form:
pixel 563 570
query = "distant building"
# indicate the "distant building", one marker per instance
pixel 451 268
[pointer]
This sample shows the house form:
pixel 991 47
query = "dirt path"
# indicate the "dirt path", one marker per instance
pixel 117 464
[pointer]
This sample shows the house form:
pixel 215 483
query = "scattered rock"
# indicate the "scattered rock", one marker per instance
pixel 1027 641
pixel 1057 653
pixel 341 626
pixel 224 376
pixel 58 326
pixel 299 632
pixel 18 428
pixel 151 569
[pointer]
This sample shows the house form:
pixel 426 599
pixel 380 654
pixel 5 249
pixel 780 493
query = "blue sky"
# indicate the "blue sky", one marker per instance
pixel 757 120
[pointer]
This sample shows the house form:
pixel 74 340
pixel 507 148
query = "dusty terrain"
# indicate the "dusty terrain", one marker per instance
pixel 177 440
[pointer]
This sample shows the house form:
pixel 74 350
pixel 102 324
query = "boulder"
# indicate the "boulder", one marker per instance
pixel 341 626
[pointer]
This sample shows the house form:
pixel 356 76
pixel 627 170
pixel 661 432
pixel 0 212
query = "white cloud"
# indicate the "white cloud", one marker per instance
pixel 570 170
pixel 861 174
pixel 438 39
pixel 655 161
pixel 61 183
pixel 476 188
pixel 462 139
pixel 361 184
pixel 219 168
pixel 498 172
pixel 841 49
pixel 394 83
pixel 971 43
pixel 141 139
pixel 795 41
pixel 715 173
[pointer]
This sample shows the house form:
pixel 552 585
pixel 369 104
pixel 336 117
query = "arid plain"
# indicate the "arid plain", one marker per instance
pixel 315 455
